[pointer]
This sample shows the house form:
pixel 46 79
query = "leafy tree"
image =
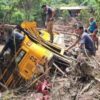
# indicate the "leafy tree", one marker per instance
pixel 15 11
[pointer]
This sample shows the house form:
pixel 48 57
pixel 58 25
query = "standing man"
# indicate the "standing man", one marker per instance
pixel 92 25
pixel 85 41
pixel 50 13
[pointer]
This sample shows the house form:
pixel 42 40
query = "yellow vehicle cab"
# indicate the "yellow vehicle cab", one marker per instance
pixel 33 55
pixel 28 61
pixel 45 35
pixel 31 58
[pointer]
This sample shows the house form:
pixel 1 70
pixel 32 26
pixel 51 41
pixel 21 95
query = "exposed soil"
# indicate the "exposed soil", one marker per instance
pixel 70 87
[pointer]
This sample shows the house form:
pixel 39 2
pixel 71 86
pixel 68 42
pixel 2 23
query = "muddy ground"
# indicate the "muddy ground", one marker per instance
pixel 68 87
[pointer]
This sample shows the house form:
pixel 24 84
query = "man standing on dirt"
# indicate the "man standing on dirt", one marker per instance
pixel 85 41
pixel 50 13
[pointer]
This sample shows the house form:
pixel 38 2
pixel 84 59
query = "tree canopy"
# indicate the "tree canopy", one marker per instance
pixel 15 11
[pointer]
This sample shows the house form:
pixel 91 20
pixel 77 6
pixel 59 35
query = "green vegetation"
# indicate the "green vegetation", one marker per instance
pixel 15 11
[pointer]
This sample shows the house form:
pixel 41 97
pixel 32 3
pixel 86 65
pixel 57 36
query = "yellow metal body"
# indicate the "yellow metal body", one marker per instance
pixel 30 57
pixel 45 35
pixel 31 27
pixel 34 55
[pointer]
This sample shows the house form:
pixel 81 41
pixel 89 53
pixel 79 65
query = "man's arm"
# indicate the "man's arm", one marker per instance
pixel 72 45
pixel 51 18
pixel 82 46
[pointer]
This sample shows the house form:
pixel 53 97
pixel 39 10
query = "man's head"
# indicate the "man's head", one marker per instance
pixel 79 28
pixel 44 7
pixel 95 31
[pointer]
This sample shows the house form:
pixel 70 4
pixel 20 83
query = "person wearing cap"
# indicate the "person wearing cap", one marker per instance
pixel 85 41
pixel 92 25
pixel 50 13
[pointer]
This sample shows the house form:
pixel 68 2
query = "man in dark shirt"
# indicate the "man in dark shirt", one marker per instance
pixel 85 41
pixel 49 20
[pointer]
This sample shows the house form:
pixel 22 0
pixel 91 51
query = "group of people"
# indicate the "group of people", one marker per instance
pixel 88 39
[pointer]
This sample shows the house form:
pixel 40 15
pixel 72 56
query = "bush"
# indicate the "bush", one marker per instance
pixel 84 16
pixel 17 17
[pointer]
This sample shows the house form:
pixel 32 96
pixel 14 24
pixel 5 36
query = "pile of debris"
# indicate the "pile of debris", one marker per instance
pixel 78 81
pixel 60 85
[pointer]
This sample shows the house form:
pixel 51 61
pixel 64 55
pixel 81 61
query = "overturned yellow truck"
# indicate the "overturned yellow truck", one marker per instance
pixel 33 57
